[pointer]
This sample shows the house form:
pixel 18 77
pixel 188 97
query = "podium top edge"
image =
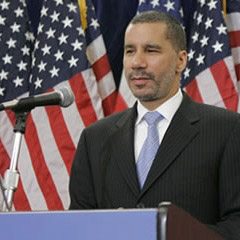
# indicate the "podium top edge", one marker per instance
pixel 119 210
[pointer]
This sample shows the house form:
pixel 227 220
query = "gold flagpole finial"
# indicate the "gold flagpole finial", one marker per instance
pixel 224 7
pixel 83 13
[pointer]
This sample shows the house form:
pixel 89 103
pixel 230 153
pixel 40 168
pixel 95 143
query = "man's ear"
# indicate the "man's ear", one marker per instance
pixel 182 61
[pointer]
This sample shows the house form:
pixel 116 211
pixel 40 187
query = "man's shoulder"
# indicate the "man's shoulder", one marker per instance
pixel 112 120
pixel 214 113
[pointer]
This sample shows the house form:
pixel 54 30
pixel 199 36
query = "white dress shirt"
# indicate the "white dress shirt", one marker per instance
pixel 167 110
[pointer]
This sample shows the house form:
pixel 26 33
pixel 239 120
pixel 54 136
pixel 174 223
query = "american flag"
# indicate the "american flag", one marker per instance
pixel 233 26
pixel 65 54
pixel 210 76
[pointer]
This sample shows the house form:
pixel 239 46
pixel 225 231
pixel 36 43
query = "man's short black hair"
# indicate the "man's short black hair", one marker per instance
pixel 175 32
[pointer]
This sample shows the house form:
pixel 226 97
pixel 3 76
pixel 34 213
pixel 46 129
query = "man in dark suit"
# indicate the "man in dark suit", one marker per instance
pixel 197 164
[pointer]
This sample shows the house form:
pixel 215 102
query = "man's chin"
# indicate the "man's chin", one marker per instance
pixel 145 98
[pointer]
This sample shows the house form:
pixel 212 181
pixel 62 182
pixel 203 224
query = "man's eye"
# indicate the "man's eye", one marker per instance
pixel 152 50
pixel 129 51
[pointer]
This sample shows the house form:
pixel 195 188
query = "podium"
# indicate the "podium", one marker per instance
pixel 164 223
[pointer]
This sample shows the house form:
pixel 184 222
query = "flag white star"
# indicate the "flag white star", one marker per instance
pixel 46 49
pixel 200 59
pixel 15 27
pixel 58 55
pixel 186 73
pixel 62 39
pixel 11 43
pixel 54 71
pixel 2 91
pixel 7 59
pixel 18 81
pixel 73 62
pixel 72 7
pixel 4 5
pixel 50 33
pixel 40 28
pixel 36 44
pixel 169 5
pixel 22 66
pixel 38 83
pixel 217 47
pixel 94 23
pixel 55 17
pixel 29 36
pixel 33 60
pixel 199 18
pixel 202 2
pixel 3 75
pixel 25 50
pixel 191 54
pixel 208 23
pixel 58 2
pixel 67 22
pixel 212 5
pixel 2 20
pixel 222 29
pixel 155 3
pixel 19 12
pixel 77 45
pixel 44 11
pixel 181 13
pixel 80 31
pixel 42 66
pixel 141 2
pixel 195 37
pixel 204 41
pixel 23 2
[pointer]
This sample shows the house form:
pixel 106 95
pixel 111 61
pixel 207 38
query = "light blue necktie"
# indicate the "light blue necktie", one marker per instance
pixel 150 146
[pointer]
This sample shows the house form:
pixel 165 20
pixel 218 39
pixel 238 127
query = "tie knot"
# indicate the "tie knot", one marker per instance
pixel 152 118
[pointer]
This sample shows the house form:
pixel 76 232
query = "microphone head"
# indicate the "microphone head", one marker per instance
pixel 67 97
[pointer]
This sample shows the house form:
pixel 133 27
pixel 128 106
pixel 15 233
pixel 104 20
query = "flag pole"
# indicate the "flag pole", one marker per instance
pixel 83 13
pixel 224 7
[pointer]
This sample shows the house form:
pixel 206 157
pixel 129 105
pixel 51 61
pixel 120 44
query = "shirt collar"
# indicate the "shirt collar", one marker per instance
pixel 167 109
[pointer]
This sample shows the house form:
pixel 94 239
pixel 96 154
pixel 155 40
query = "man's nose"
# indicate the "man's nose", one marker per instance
pixel 139 60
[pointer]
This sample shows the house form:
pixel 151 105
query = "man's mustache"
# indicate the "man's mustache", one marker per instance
pixel 140 74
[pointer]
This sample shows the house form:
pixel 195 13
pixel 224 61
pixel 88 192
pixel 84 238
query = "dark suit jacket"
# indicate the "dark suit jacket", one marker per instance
pixel 197 166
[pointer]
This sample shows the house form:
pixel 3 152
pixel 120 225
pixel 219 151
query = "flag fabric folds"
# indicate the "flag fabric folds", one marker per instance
pixel 16 43
pixel 233 25
pixel 68 51
pixel 210 76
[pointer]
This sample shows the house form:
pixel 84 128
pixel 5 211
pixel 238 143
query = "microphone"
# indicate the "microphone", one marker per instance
pixel 63 97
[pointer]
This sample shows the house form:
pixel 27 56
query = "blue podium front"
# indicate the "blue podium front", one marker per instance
pixel 80 225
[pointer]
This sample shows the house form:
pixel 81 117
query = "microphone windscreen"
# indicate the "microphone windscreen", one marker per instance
pixel 67 97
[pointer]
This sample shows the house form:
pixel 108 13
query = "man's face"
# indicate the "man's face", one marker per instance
pixel 152 66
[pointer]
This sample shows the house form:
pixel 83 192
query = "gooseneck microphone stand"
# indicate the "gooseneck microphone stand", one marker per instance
pixel 11 176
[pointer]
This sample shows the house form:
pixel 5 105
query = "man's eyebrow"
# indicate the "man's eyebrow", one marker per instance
pixel 128 46
pixel 152 45
pixel 147 45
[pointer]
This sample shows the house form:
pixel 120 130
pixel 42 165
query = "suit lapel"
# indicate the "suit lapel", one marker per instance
pixel 122 149
pixel 180 132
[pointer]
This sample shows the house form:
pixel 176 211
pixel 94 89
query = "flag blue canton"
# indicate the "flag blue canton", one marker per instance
pixel 60 47
pixel 172 7
pixel 16 43
pixel 208 42
pixel 93 29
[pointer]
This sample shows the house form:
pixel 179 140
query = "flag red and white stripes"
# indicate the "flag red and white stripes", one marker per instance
pixel 52 133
